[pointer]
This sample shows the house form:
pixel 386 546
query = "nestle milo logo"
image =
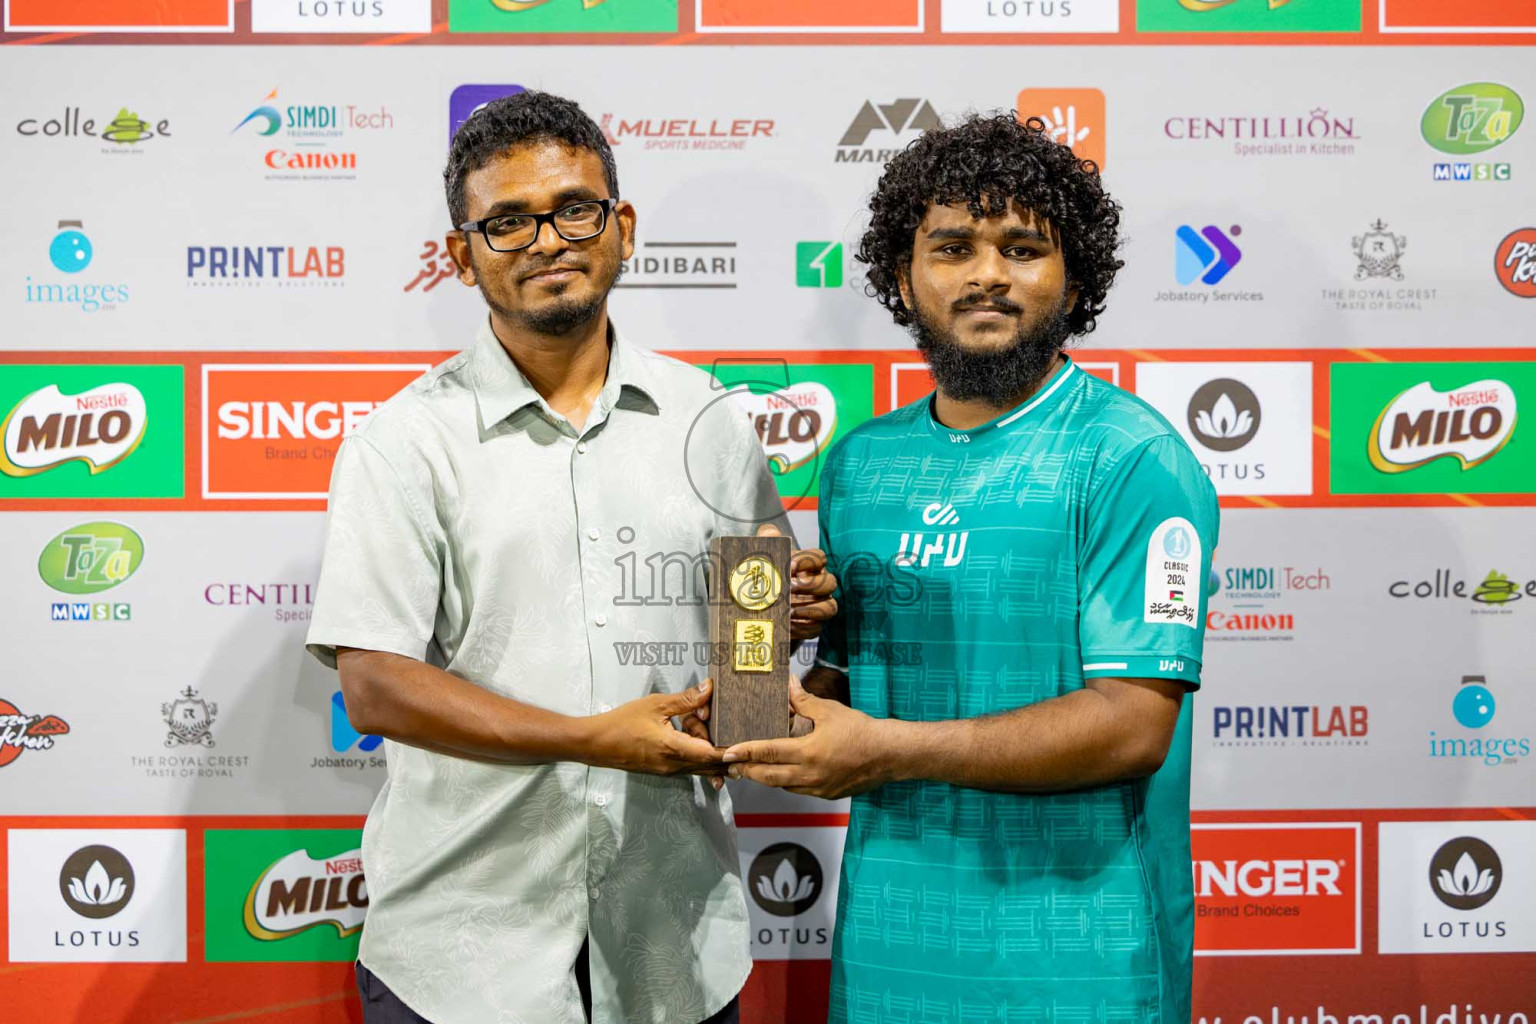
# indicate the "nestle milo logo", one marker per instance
pixel 100 427
pixel 90 558
pixel 1472 118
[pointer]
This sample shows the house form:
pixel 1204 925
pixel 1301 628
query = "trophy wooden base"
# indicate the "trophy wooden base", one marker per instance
pixel 749 639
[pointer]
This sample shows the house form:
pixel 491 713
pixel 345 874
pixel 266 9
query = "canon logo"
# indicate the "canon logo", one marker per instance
pixel 1267 878
pixel 298 420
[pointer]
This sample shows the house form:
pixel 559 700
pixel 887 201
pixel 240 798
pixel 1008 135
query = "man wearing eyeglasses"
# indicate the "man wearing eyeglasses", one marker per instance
pixel 504 536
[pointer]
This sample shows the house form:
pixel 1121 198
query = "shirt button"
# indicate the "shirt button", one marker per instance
pixel 595 892
pixel 592 534
pixel 601 799
pixel 604 707
pixel 601 619
pixel 581 449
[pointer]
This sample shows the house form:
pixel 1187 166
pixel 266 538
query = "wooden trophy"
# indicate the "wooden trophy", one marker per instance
pixel 749 639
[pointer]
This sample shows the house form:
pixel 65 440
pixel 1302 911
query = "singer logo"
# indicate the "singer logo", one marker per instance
pixel 1276 888
pixel 100 427
pixel 1469 423
pixel 271 432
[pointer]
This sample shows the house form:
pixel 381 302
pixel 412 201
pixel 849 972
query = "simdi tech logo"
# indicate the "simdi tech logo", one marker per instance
pixel 562 15
pixel 313 142
pixel 1430 428
pixel 1076 118
pixel 294 895
pixel 88 431
pixel 71 253
pixel 271 432
pixel 1247 15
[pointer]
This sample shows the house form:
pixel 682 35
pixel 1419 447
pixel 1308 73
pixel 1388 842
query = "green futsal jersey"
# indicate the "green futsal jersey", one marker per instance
pixel 983 571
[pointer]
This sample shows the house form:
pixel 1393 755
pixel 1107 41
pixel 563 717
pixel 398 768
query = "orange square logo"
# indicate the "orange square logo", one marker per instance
pixel 1276 888
pixel 120 16
pixel 271 432
pixel 1074 117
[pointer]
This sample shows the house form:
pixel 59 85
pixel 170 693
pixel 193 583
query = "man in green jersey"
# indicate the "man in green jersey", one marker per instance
pixel 1004 693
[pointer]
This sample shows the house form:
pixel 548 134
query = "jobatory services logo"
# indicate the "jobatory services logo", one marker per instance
pixel 1459 886
pixel 1030 16
pixel 890 125
pixel 293 895
pixel 1076 118
pixel 121 134
pixel 1430 428
pixel 466 99
pixel 1205 257
pixel 818 264
pixel 562 15
pixel 343 736
pixel 1514 263
pixel 87 431
pixel 266 266
pixel 1278 888
pixel 681 265
pixel 687 134
pixel 331 16
pixel 1287 725
pixel 1247 16
pixel 97 895
pixel 1469 120
pixel 1378 270
pixel 309 141
pixel 271 432
pixel 20 732
pixel 1473 709
pixel 71 252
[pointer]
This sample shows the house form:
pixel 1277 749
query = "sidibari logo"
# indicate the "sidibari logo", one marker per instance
pixel 20 732
pixel 1472 118
pixel 96 882
pixel 299 892
pixel 90 558
pixel 785 879
pixel 100 427
pixel 1470 424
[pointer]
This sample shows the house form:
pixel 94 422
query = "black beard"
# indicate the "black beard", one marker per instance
pixel 558 318
pixel 997 377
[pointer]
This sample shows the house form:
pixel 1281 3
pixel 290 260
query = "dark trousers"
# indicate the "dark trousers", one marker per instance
pixel 381 1006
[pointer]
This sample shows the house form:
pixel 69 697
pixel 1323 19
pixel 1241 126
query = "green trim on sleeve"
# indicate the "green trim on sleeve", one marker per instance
pixel 1142 666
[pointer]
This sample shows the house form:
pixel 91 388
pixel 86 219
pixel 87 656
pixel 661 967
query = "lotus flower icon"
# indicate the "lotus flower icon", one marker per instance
pixel 1465 873
pixel 1224 414
pixel 1223 419
pixel 98 888
pixel 1466 879
pixel 786 886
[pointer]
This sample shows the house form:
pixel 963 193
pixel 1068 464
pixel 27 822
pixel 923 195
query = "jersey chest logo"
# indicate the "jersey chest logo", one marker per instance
pixel 919 549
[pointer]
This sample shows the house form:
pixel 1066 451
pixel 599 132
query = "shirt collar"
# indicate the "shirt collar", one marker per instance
pixel 501 389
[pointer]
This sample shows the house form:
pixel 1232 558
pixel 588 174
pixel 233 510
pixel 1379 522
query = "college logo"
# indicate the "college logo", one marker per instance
pixel 190 719
pixel 1073 117
pixel 96 882
pixel 691 134
pixel 1472 118
pixel 283 894
pixel 1307 725
pixel 681 265
pixel 99 427
pixel 785 879
pixel 901 120
pixel 272 431
pixel 1515 263
pixel 1275 889
pixel 1175 573
pixel 328 16
pixel 1473 708
pixel 1030 16
pixel 90 558
pixel 562 15
pixel 71 252
pixel 1247 16
pixel 124 131
pixel 120 16
pixel 818 264
pixel 1430 428
pixel 466 99
pixel 1206 256
pixel 1496 590
pixel 19 732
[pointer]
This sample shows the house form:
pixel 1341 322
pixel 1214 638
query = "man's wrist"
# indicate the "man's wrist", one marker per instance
pixel 894 748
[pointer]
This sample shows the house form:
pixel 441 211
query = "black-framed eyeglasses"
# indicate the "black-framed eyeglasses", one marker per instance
pixel 509 232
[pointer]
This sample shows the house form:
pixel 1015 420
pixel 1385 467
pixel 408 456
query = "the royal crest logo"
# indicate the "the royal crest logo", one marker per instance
pixel 100 427
pixel 1379 251
pixel 190 719
pixel 1470 424
pixel 299 892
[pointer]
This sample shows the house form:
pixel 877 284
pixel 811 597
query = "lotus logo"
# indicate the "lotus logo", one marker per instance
pixel 1224 414
pixel 96 882
pixel 1465 873
pixel 785 879
pixel 1470 424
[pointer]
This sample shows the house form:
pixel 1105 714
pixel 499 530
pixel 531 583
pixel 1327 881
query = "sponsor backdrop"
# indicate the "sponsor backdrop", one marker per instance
pixel 219 260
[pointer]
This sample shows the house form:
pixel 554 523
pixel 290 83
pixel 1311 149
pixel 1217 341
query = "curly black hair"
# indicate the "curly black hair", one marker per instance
pixel 985 161
pixel 506 122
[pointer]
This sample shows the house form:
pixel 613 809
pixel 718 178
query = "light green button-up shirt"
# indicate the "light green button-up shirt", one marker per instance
pixel 474 528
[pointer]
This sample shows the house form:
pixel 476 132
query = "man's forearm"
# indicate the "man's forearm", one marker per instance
pixel 411 702
pixel 1076 741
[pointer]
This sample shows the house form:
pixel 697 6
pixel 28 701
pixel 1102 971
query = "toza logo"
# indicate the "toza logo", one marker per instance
pixel 1465 873
pixel 1470 424
pixel 785 879
pixel 1472 118
pixel 948 546
pixel 100 427
pixel 90 558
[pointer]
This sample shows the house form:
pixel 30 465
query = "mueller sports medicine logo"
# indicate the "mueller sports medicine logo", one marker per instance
pixel 1282 888
pixel 255 266
pixel 19 732
pixel 272 431
pixel 99 427
pixel 940 546
pixel 692 134
pixel 300 892
pixel 892 124
pixel 1470 424
pixel 1303 725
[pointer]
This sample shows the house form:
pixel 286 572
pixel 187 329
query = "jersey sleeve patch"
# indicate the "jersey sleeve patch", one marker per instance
pixel 1174 574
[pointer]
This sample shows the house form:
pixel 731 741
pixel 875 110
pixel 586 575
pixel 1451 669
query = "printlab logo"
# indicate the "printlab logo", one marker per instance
pixel 1075 118
pixel 1224 414
pixel 1515 263
pixel 19 732
pixel 466 99
pixel 785 879
pixel 900 119
pixel 190 719
pixel 71 252
pixel 1207 255
pixel 96 882
pixel 818 264
pixel 343 736
pixel 1308 725
pixel 1465 873
pixel 255 266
